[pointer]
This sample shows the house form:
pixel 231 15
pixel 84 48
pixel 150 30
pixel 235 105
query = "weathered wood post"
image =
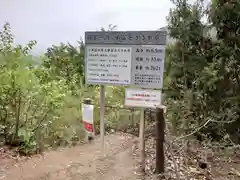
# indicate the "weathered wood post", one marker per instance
pixel 160 127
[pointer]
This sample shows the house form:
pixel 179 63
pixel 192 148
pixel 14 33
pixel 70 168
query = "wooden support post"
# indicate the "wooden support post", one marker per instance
pixel 160 127
pixel 102 112
pixel 142 142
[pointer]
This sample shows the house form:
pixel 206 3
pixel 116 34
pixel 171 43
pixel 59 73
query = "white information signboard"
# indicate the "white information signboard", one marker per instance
pixel 133 58
pixel 108 65
pixel 142 98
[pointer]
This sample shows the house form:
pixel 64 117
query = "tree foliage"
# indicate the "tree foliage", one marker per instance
pixel 66 61
pixel 40 103
pixel 30 106
pixel 203 72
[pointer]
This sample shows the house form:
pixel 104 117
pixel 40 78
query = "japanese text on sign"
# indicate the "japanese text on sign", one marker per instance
pixel 142 98
pixel 147 66
pixel 107 65
pixel 126 38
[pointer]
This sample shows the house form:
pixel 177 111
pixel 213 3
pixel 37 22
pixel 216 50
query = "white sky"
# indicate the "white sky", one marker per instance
pixel 54 21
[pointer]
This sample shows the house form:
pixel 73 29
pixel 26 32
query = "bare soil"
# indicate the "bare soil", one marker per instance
pixel 83 162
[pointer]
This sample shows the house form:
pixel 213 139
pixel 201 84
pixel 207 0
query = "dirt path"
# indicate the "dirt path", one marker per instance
pixel 80 162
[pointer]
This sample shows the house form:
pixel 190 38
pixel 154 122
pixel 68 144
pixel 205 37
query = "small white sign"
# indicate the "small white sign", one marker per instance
pixel 142 98
pixel 108 65
pixel 87 118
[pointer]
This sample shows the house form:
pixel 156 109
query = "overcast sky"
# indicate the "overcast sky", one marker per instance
pixel 54 21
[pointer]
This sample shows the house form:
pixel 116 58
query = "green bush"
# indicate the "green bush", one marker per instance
pixel 40 98
pixel 36 109
pixel 202 69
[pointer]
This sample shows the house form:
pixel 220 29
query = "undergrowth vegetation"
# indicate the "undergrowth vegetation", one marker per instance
pixel 40 97
pixel 202 71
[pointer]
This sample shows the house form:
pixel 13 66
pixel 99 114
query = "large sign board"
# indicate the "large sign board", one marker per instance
pixel 142 98
pixel 134 58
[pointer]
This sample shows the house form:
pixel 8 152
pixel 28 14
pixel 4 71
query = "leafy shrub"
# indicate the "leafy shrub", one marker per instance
pixel 40 98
